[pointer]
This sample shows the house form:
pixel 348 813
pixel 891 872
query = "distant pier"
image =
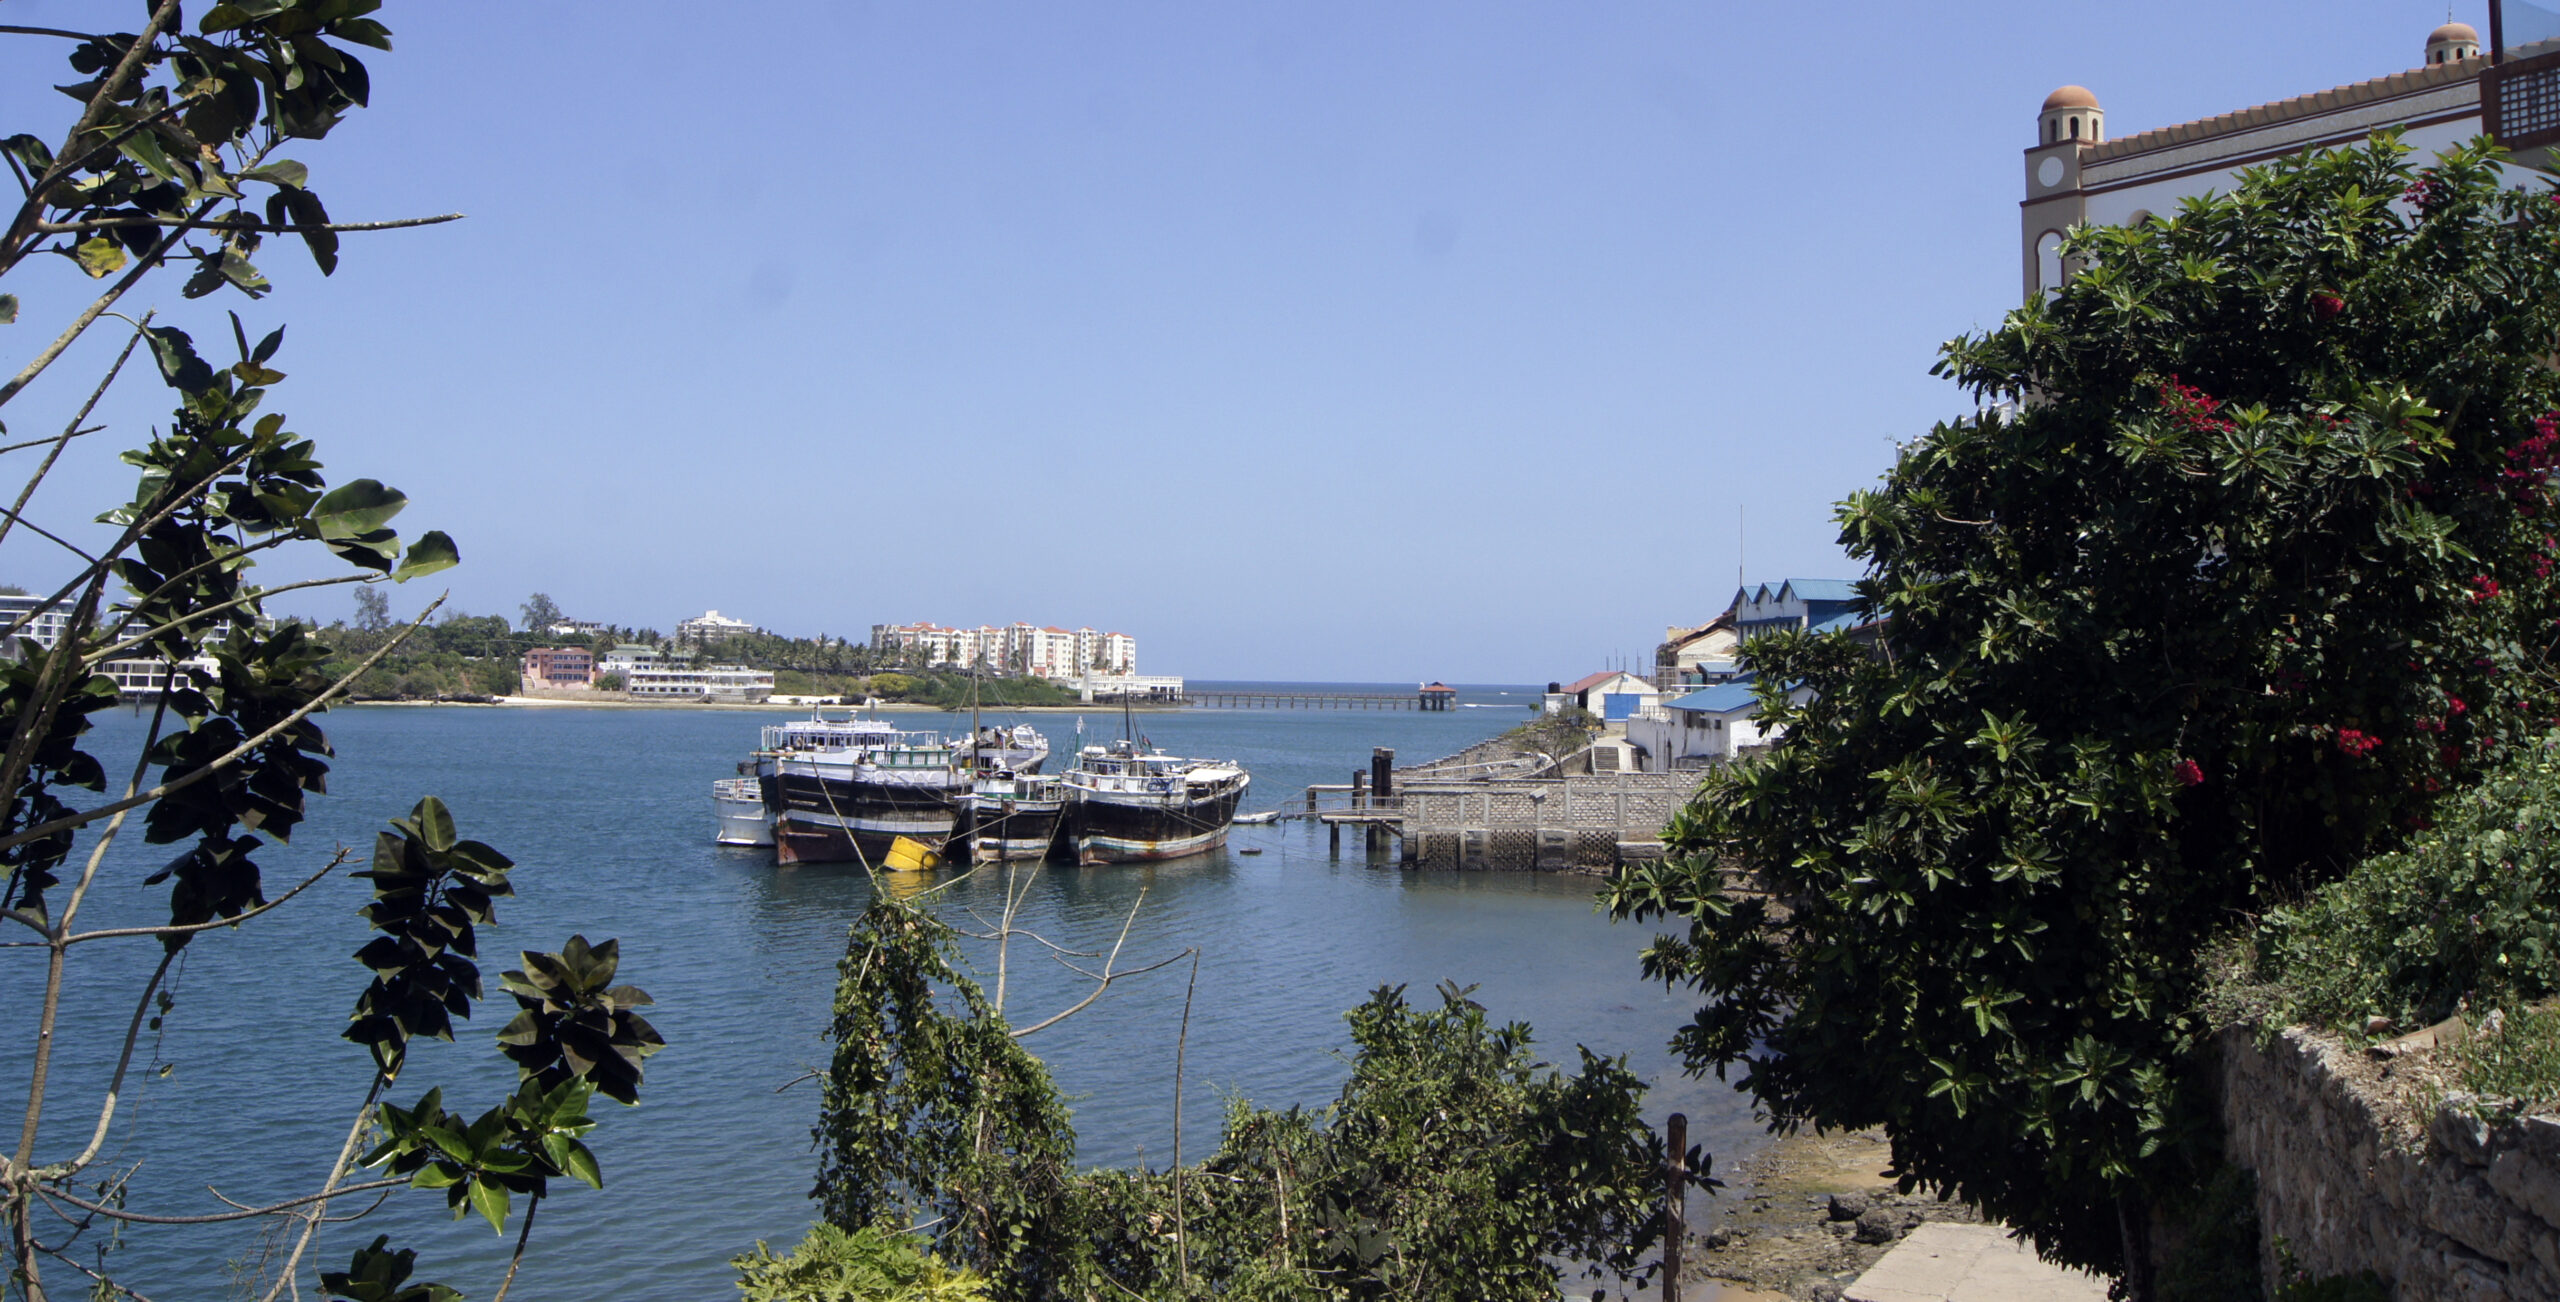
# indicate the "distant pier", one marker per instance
pixel 1433 696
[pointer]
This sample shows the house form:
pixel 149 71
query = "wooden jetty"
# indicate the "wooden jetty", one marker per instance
pixel 1425 699
pixel 1499 821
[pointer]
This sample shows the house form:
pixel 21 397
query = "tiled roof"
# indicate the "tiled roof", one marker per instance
pixel 2335 98
pixel 1589 681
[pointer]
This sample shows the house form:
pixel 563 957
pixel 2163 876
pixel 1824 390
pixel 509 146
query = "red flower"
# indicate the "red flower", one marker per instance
pixel 2454 704
pixel 2327 305
pixel 2354 742
pixel 2188 773
pixel 2483 588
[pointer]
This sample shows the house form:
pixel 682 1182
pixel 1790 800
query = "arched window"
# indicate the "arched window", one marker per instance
pixel 2075 128
pixel 2049 261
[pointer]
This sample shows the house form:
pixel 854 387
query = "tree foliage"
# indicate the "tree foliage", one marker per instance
pixel 2253 564
pixel 176 132
pixel 1452 1166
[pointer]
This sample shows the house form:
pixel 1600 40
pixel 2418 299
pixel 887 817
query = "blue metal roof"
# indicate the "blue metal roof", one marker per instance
pixel 1837 623
pixel 1723 698
pixel 1822 589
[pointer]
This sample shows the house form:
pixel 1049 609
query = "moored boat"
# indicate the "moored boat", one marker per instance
pixel 845 789
pixel 1018 749
pixel 738 809
pixel 1131 805
pixel 1014 816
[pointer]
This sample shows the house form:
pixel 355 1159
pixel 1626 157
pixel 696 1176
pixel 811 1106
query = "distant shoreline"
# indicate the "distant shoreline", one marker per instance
pixel 886 707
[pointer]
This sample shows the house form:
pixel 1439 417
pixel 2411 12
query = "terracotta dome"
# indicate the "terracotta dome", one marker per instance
pixel 2462 32
pixel 2070 97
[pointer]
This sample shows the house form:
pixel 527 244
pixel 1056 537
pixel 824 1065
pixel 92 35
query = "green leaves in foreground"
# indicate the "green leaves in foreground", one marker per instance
pixel 2242 567
pixel 517 1147
pixel 378 1274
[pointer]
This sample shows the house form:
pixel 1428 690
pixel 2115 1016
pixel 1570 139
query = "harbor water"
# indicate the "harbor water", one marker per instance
pixel 607 813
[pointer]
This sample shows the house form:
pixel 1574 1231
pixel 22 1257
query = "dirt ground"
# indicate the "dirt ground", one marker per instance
pixel 1801 1219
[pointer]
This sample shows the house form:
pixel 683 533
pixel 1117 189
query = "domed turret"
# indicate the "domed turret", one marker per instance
pixel 2071 113
pixel 2451 42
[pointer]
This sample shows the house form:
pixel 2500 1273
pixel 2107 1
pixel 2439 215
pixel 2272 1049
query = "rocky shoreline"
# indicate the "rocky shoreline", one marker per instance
pixel 1803 1218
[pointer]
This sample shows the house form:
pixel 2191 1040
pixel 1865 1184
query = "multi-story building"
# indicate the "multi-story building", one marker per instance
pixel 45 626
pixel 559 668
pixel 2076 173
pixel 711 626
pixel 683 682
pixel 1020 648
pixel 133 676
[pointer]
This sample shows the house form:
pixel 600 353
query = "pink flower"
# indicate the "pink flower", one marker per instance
pixel 2327 305
pixel 2354 742
pixel 2454 704
pixel 2188 773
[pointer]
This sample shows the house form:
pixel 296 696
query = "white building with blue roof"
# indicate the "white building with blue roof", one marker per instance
pixel 1708 726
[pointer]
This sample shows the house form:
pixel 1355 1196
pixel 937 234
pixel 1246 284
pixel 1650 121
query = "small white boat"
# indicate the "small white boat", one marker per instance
pixel 739 805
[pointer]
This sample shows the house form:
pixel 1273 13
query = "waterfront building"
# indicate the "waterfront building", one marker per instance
pixel 137 676
pixel 1438 696
pixel 559 668
pixel 686 682
pixel 712 626
pixel 1812 605
pixel 1612 694
pixel 2077 173
pixel 1708 726
pixel 1046 651
pixel 46 626
pixel 1163 688
pixel 627 657
pixel 1697 655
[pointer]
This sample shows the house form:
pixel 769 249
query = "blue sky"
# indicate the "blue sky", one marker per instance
pixel 1308 340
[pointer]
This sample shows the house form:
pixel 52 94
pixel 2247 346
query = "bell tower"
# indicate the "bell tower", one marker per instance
pixel 2069 124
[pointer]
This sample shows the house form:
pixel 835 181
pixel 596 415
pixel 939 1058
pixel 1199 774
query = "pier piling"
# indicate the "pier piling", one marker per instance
pixel 1675 1201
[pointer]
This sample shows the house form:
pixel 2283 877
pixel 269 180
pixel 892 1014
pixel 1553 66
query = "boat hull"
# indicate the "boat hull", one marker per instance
pixel 1110 828
pixel 827 819
pixel 1015 830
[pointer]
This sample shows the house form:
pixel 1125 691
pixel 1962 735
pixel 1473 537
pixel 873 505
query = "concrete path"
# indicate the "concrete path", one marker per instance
pixel 1941 1262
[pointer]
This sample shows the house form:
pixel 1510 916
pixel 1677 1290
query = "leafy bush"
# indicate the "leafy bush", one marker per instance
pixel 871 1264
pixel 1453 1166
pixel 2246 559
pixel 2470 909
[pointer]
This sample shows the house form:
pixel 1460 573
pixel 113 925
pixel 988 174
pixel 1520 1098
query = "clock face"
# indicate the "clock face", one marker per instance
pixel 2049 172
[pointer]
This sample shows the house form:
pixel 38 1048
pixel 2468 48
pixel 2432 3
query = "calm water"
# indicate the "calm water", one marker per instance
pixel 608 815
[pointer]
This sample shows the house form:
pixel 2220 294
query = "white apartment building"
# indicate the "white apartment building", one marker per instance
pixel 711 626
pixel 142 676
pixel 46 627
pixel 1045 650
pixel 673 682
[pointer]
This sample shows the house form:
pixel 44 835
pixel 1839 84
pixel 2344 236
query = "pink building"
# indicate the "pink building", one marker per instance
pixel 557 668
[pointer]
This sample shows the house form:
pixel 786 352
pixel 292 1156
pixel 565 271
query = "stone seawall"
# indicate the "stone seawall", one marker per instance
pixel 2467 1211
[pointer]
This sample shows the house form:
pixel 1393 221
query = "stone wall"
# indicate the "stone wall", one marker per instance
pixel 2469 1211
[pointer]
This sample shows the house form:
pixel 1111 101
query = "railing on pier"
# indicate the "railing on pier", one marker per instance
pixel 1250 700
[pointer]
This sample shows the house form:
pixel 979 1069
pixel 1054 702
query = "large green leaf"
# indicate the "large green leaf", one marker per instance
pixel 179 365
pixel 355 508
pixel 432 551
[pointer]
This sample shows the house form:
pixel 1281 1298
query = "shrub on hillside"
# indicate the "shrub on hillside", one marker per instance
pixel 2469 910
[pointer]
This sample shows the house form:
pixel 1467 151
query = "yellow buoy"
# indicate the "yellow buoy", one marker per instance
pixel 907 854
